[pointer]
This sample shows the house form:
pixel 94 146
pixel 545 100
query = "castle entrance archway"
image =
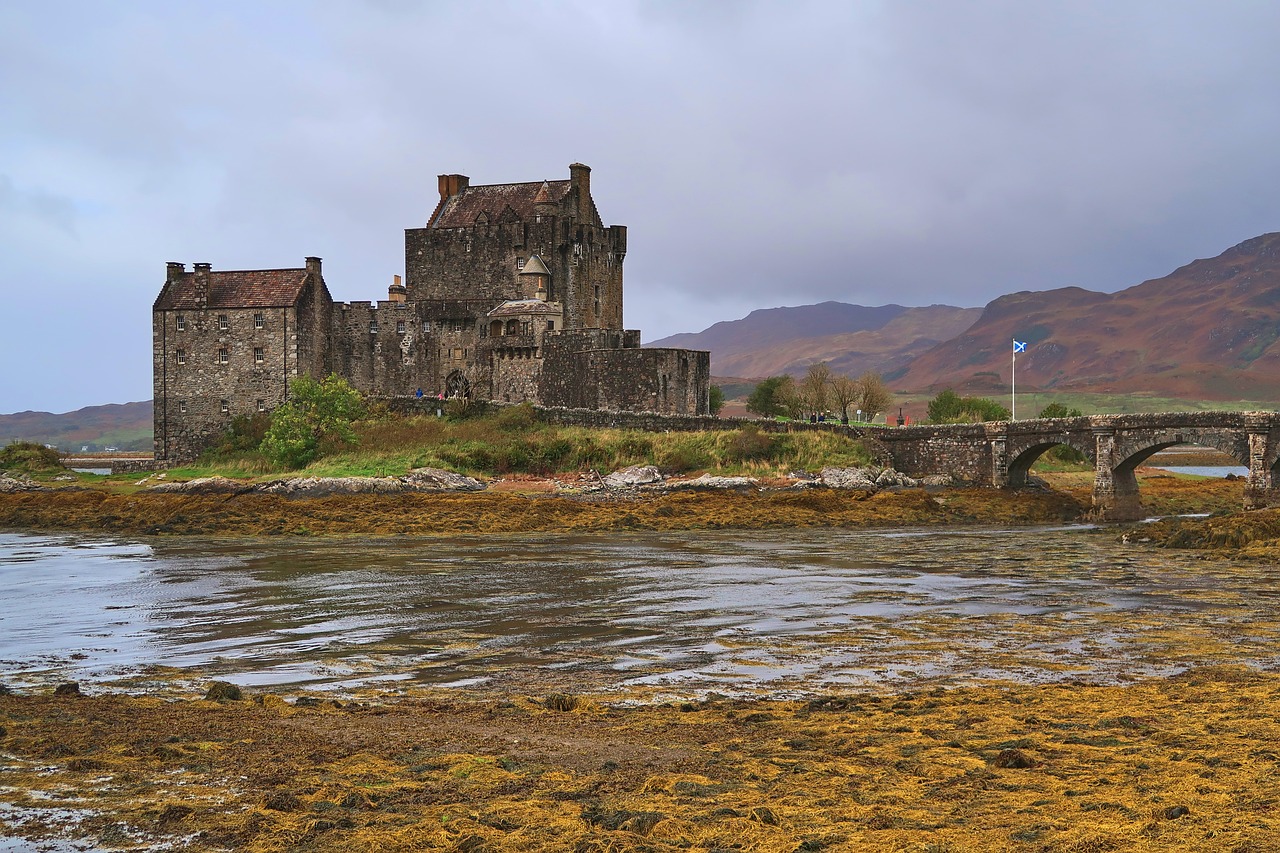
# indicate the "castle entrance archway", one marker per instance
pixel 456 385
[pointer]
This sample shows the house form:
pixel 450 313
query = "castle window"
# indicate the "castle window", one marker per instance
pixel 182 407
pixel 551 325
pixel 373 327
pixel 181 323
pixel 262 405
pixel 259 321
pixel 225 408
pixel 181 356
pixel 258 355
pixel 223 356
pixel 223 324
pixel 399 327
pixel 519 263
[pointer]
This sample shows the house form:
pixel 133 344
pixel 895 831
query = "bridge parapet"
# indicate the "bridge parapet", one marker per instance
pixel 1001 453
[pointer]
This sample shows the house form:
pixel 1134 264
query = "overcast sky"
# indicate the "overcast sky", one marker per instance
pixel 762 154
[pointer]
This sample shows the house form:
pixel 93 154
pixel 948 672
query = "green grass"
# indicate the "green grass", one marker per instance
pixel 514 442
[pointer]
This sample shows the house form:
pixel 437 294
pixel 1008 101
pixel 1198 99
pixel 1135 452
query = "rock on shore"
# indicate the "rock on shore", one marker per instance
pixel 417 480
pixel 12 484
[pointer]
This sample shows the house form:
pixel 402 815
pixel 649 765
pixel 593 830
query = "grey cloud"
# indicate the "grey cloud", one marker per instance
pixel 761 154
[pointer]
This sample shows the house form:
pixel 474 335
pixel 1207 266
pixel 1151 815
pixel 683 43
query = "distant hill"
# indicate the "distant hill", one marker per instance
pixel 126 426
pixel 1209 330
pixel 853 338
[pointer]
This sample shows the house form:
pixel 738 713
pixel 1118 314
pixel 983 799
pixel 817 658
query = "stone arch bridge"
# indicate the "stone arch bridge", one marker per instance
pixel 1000 454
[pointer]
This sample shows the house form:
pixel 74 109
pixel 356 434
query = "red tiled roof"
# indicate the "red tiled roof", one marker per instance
pixel 460 211
pixel 236 289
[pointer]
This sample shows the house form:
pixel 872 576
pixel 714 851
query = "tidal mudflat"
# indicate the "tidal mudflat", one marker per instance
pixel 1022 688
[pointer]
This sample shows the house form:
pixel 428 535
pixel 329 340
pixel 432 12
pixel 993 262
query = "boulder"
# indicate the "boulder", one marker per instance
pixel 11 484
pixel 849 478
pixel 437 480
pixel 636 475
pixel 204 486
pixel 706 481
pixel 318 487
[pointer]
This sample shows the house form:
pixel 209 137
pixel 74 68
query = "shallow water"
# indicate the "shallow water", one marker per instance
pixel 1219 471
pixel 777 612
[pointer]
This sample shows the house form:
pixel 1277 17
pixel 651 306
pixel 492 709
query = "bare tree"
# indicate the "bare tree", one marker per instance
pixel 845 391
pixel 813 388
pixel 873 395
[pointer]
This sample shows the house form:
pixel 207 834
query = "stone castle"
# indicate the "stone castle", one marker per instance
pixel 512 292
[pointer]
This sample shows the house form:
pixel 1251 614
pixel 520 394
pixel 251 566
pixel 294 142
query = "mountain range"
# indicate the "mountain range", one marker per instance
pixel 853 339
pixel 125 426
pixel 1209 330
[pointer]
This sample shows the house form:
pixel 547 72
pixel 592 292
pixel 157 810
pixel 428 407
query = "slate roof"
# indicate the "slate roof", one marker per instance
pixel 534 266
pixel 461 210
pixel 517 307
pixel 236 289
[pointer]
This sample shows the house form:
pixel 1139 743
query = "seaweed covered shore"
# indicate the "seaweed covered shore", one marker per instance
pixel 530 505
pixel 427 515
pixel 1186 763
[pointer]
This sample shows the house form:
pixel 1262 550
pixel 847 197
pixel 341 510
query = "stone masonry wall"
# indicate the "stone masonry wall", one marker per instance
pixel 207 374
pixel 962 450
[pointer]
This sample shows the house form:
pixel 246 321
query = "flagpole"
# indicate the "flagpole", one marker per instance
pixel 1013 382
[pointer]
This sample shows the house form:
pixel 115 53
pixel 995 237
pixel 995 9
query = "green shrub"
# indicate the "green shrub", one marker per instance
pixel 950 408
pixel 679 458
pixel 317 419
pixel 245 434
pixel 29 457
pixel 521 418
pixel 749 444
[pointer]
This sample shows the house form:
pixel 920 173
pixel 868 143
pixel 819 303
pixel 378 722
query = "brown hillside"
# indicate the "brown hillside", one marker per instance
pixel 853 338
pixel 1208 330
pixel 885 349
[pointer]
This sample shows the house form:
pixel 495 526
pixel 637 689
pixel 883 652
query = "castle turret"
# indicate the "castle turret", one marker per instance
pixel 580 181
pixel 541 277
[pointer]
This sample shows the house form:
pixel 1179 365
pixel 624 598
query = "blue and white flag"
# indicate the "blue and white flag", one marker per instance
pixel 1019 346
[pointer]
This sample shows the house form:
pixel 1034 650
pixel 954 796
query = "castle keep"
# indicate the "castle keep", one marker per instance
pixel 512 292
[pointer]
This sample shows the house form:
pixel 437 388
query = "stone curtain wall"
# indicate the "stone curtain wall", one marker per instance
pixel 646 421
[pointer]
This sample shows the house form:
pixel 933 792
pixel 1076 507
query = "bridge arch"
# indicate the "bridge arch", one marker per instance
pixel 1117 489
pixel 1027 441
pixel 1021 460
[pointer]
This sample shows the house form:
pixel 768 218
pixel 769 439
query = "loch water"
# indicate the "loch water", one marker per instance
pixel 779 612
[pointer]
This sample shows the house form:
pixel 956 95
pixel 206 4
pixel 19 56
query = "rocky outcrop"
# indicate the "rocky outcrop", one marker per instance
pixel 865 479
pixel 707 481
pixel 205 486
pixel 13 484
pixel 629 478
pixel 417 480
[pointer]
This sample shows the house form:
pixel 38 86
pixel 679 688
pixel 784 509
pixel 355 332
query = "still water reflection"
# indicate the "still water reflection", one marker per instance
pixel 781 612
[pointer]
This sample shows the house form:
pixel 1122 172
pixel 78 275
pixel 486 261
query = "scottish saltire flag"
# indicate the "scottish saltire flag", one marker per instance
pixel 1019 346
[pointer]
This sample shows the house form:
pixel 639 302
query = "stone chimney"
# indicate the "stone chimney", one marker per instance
pixel 313 267
pixel 580 180
pixel 202 283
pixel 173 272
pixel 397 292
pixel 451 185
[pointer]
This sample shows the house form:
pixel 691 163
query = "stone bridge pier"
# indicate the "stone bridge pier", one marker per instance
pixel 1001 454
